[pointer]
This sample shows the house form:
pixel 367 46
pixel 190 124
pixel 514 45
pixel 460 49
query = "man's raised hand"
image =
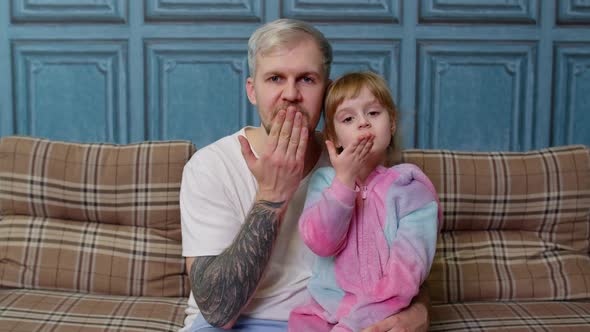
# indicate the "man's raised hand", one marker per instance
pixel 279 168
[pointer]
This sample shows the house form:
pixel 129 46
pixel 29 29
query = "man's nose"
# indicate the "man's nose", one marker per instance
pixel 291 92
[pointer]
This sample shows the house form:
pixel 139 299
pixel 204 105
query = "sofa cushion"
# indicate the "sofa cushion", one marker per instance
pixel 546 191
pixel 88 257
pixel 92 218
pixel 516 225
pixel 25 310
pixel 133 185
pixel 506 265
pixel 570 316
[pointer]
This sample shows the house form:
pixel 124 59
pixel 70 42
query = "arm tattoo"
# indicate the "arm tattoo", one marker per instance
pixel 223 285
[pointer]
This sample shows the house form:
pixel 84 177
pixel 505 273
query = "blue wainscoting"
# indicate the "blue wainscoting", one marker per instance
pixel 478 75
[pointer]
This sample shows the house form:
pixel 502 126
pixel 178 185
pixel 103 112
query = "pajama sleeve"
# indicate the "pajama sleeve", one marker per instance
pixel 413 217
pixel 327 213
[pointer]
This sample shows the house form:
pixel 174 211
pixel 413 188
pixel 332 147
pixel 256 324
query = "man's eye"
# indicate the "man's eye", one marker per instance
pixel 274 78
pixel 307 79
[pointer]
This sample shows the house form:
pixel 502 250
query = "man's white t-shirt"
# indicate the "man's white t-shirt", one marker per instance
pixel 217 193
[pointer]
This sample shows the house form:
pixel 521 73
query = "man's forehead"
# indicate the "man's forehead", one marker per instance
pixel 273 63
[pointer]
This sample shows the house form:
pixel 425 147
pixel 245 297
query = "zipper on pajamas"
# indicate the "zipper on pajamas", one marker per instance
pixel 364 192
pixel 362 241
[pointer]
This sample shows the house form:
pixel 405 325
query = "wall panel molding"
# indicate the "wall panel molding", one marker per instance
pixel 195 10
pixel 571 116
pixel 71 90
pixel 476 96
pixel 573 12
pixel 381 57
pixel 197 88
pixel 480 12
pixel 342 10
pixel 62 11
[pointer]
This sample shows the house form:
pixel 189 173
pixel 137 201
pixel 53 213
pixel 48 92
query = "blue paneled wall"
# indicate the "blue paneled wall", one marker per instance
pixel 466 74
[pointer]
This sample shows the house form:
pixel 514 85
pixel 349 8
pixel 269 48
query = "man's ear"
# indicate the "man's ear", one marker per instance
pixel 250 90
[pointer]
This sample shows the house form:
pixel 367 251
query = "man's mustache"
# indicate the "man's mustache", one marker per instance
pixel 298 108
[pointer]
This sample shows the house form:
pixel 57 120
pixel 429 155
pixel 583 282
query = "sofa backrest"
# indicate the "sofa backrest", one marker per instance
pixel 516 225
pixel 97 218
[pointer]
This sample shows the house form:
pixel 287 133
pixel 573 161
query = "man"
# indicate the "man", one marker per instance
pixel 241 196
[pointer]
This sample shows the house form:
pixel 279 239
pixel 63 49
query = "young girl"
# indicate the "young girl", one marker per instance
pixel 374 228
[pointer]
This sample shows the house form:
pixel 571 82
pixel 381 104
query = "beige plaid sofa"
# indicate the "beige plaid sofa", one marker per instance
pixel 90 237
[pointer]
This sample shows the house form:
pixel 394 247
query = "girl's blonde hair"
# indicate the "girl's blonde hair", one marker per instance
pixel 349 86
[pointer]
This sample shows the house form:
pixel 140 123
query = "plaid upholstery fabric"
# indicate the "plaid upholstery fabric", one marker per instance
pixel 134 185
pixel 88 257
pixel 92 217
pixel 506 265
pixel 516 225
pixel 519 316
pixel 25 310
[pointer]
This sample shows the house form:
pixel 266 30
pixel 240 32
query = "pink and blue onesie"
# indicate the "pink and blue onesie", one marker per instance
pixel 375 246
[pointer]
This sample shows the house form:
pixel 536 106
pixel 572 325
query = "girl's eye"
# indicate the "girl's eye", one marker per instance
pixel 347 119
pixel 374 113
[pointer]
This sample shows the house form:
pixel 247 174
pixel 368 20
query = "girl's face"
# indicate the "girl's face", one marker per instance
pixel 363 115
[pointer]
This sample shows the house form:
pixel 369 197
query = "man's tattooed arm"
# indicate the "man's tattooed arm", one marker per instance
pixel 223 284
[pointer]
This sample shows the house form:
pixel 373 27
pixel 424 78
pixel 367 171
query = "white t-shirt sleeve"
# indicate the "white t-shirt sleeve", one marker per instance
pixel 209 220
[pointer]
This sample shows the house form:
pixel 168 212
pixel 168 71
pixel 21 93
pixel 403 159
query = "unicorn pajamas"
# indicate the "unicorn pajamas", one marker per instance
pixel 372 225
pixel 375 246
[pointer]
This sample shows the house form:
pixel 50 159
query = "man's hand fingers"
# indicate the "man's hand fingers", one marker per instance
pixel 286 130
pixel 275 130
pixel 295 135
pixel 302 146
pixel 385 325
pixel 247 151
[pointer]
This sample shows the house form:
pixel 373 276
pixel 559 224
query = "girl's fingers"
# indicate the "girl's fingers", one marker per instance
pixel 360 146
pixel 331 151
pixel 367 148
pixel 352 148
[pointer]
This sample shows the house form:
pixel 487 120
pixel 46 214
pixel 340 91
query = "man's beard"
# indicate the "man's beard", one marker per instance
pixel 298 108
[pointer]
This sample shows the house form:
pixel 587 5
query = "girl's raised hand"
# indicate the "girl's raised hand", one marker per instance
pixel 350 161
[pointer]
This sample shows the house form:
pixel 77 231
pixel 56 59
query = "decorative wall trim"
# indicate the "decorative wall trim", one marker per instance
pixel 80 11
pixel 167 59
pixel 221 10
pixel 573 12
pixel 479 12
pixel 89 64
pixel 343 10
pixel 381 57
pixel 513 63
pixel 571 118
